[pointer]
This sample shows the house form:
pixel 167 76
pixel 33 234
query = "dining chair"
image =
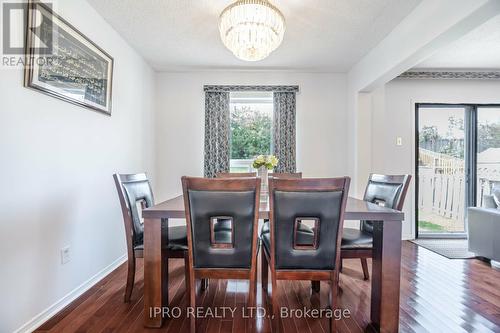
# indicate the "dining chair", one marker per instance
pixel 135 194
pixel 232 255
pixel 320 201
pixel 384 190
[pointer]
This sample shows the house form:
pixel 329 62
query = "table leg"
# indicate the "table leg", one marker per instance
pixel 155 274
pixel 386 275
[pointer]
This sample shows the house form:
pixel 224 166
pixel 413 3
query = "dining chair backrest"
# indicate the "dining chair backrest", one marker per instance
pixel 134 190
pixel 385 190
pixel 295 201
pixel 286 175
pixel 208 201
pixel 235 174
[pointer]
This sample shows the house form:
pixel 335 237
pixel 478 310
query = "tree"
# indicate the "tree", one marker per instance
pixel 250 133
pixel 428 137
pixel 451 145
pixel 488 136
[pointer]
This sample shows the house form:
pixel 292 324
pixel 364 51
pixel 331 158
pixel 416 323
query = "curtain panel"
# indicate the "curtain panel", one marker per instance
pixel 284 131
pixel 216 133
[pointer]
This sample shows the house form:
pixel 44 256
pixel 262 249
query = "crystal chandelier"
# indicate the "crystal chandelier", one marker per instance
pixel 251 29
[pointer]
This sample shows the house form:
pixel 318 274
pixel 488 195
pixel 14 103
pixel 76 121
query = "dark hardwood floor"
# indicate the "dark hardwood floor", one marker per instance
pixel 438 295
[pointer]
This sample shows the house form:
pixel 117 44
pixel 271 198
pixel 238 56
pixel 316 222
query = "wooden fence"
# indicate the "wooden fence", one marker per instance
pixel 441 194
pixel 442 163
pixel 441 173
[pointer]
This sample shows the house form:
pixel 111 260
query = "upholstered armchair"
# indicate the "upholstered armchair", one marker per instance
pixel 484 229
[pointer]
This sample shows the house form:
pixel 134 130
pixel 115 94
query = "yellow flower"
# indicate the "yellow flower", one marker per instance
pixel 273 160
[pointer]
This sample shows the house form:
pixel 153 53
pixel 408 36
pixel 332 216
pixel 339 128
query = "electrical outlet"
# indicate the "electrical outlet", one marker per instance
pixel 399 141
pixel 65 255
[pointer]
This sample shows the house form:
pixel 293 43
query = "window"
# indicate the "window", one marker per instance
pixel 251 124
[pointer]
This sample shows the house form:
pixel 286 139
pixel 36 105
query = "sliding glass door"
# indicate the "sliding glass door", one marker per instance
pixel 458 162
pixel 442 177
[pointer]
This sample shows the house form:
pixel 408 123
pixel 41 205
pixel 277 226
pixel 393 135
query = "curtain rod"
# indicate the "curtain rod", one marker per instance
pixel 228 88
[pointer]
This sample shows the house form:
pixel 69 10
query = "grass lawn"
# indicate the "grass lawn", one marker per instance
pixel 429 226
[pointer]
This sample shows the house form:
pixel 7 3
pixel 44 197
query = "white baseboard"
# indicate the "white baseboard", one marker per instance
pixel 52 310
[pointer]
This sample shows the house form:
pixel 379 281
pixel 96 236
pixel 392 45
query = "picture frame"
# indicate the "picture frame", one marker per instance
pixel 64 63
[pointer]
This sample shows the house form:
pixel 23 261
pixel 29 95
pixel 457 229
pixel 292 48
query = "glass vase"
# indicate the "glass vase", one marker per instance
pixel 263 173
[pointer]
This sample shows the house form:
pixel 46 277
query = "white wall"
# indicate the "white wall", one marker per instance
pixel 57 162
pixel 431 25
pixel 393 115
pixel 180 122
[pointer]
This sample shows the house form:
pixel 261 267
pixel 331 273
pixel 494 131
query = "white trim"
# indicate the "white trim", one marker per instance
pixel 52 310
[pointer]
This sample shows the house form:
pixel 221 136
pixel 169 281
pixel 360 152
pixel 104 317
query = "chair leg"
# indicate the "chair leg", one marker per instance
pixel 252 291
pixel 203 284
pixel 315 286
pixel 264 271
pixel 275 321
pixel 130 279
pixel 186 271
pixel 192 301
pixel 332 303
pixel 364 265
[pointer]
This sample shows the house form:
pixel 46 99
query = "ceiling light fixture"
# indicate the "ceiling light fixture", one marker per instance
pixel 251 29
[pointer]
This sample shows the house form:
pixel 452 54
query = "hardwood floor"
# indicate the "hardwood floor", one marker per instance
pixel 438 295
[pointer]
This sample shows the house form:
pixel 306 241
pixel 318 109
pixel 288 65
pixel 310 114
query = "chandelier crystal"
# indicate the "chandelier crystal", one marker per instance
pixel 251 29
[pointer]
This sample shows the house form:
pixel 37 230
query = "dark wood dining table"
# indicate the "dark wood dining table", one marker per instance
pixel 386 264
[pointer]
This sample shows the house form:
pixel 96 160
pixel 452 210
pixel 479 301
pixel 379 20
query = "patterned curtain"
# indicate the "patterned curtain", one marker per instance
pixel 216 132
pixel 284 130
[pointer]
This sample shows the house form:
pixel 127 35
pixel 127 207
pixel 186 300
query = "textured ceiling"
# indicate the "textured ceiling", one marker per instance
pixel 329 35
pixel 479 49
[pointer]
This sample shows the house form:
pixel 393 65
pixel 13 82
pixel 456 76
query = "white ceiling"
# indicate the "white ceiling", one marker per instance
pixel 479 49
pixel 326 35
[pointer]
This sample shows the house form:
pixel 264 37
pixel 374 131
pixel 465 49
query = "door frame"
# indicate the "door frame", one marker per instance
pixel 470 128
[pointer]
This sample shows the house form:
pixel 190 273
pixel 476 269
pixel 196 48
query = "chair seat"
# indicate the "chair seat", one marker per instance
pixel 266 241
pixel 302 228
pixel 223 236
pixel 222 225
pixel 177 239
pixel 356 239
pixel 303 237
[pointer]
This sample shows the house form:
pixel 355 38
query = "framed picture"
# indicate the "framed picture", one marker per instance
pixel 62 62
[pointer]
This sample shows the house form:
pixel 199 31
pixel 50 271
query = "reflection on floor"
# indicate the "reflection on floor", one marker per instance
pixel 448 247
pixel 437 295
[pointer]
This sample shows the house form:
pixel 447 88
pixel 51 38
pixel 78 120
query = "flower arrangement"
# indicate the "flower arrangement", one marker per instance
pixel 268 161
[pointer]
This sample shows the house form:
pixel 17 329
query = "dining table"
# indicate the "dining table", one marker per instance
pixel 386 261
